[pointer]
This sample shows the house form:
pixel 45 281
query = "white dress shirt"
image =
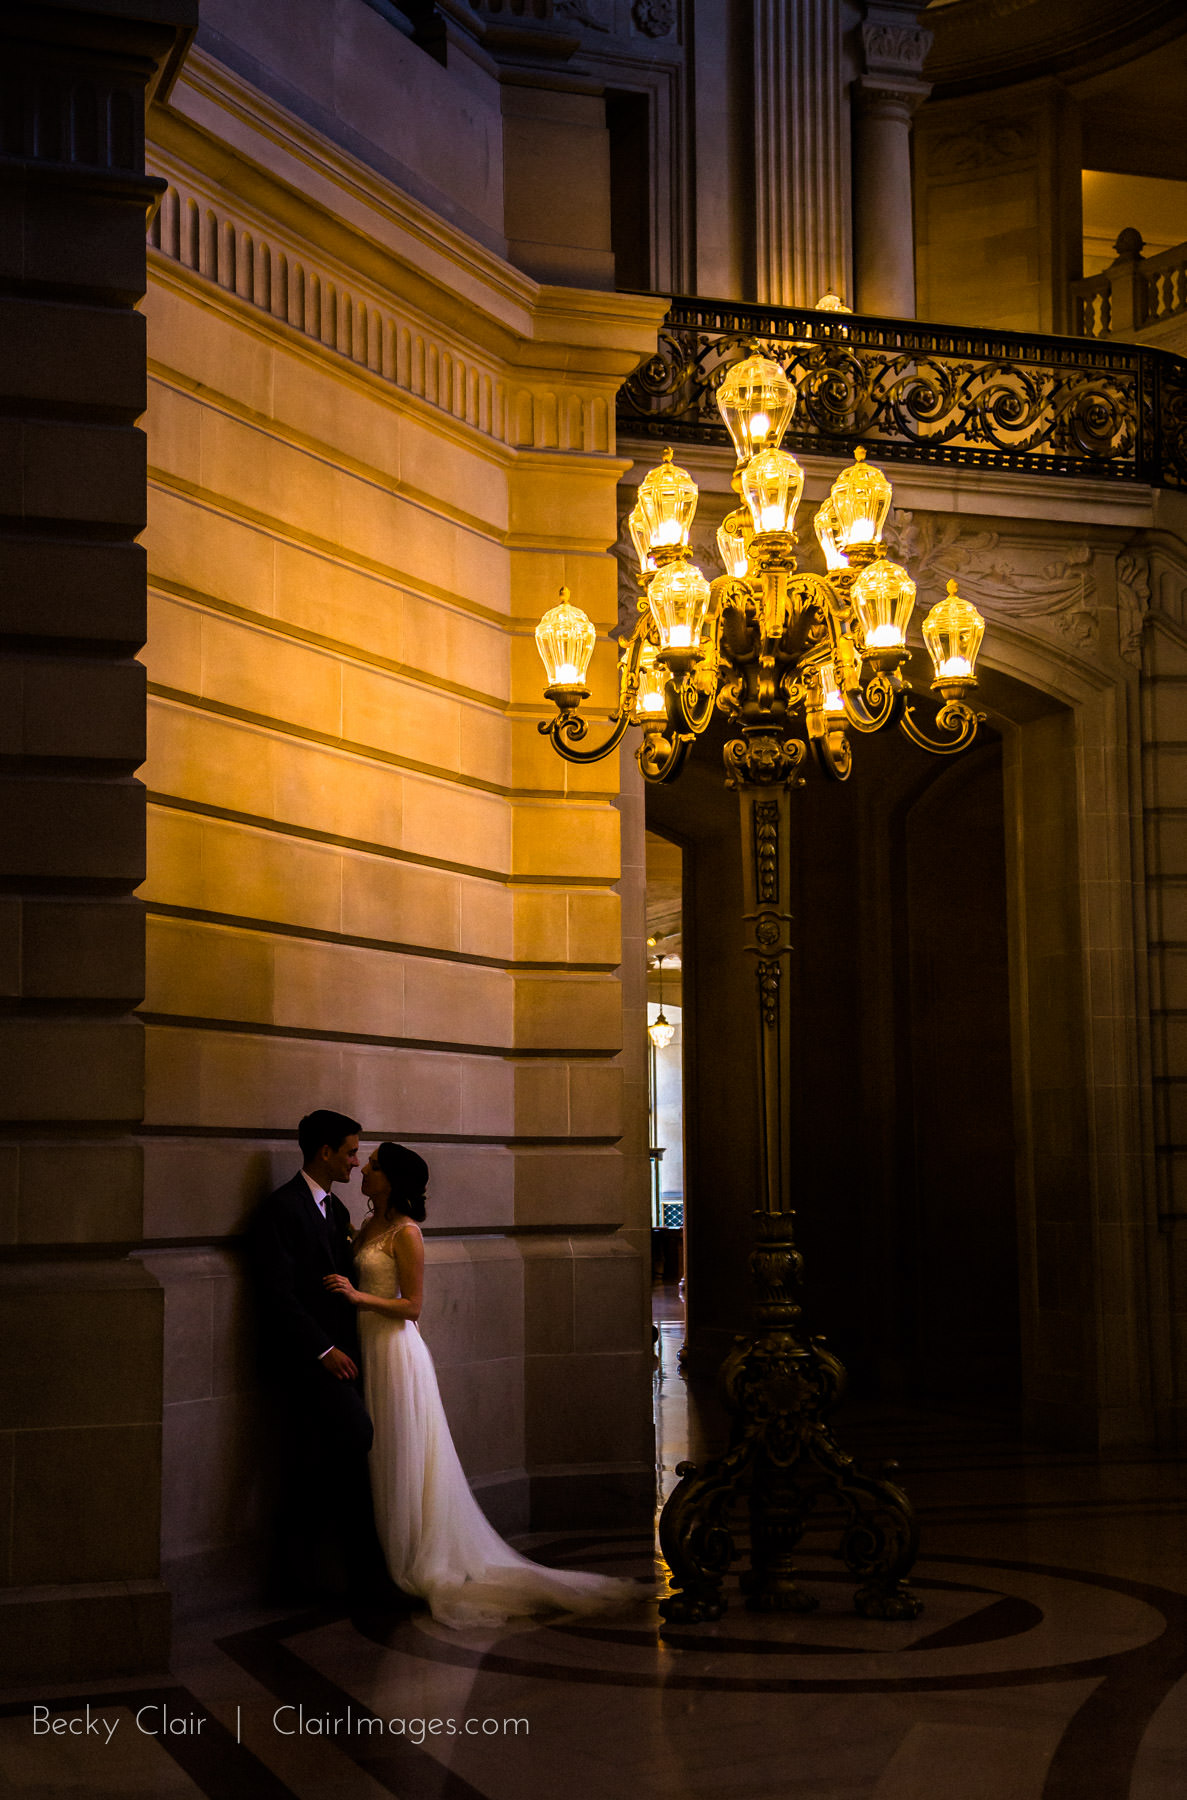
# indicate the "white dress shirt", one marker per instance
pixel 321 1200
pixel 320 1195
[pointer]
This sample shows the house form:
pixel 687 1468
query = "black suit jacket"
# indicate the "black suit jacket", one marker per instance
pixel 292 1248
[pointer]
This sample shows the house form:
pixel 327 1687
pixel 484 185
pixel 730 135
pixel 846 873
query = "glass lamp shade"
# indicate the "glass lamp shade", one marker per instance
pixel 825 523
pixel 660 1032
pixel 756 400
pixel 650 703
pixel 733 542
pixel 565 638
pixel 667 501
pixel 641 539
pixel 884 596
pixel 830 693
pixel 860 501
pixel 679 599
pixel 952 631
pixel 772 483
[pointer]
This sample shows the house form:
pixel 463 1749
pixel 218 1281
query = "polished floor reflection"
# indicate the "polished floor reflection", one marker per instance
pixel 1050 1663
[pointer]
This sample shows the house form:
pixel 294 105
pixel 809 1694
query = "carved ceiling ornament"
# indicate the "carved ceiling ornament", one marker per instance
pixel 654 18
pixel 937 550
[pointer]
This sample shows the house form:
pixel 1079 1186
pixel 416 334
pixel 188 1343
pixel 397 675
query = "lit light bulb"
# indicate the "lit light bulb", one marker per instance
pixel 955 668
pixel 760 424
pixel 830 692
pixel 885 637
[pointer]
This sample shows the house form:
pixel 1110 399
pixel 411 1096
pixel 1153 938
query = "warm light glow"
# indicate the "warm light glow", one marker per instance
pixel 825 524
pixel 637 525
pixel 830 693
pixel 860 501
pixel 661 1033
pixel 733 542
pixel 756 401
pixel 667 502
pixel 952 631
pixel 771 487
pixel 650 702
pixel 565 638
pixel 679 599
pixel 884 597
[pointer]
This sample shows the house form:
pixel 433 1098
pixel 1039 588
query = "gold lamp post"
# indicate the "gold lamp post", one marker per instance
pixel 797 663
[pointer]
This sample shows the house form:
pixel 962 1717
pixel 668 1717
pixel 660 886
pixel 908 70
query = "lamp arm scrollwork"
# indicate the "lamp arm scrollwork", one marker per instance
pixel 661 758
pixel 881 704
pixel 956 719
pixel 568 728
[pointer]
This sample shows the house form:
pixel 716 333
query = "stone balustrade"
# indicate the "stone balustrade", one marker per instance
pixel 1133 293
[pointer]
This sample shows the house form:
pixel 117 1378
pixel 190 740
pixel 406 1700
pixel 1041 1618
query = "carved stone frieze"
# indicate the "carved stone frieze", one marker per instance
pixel 654 18
pixel 596 14
pixel 1133 603
pixel 990 144
pixel 1060 592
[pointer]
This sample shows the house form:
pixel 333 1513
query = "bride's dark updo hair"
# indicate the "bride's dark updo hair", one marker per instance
pixel 408 1174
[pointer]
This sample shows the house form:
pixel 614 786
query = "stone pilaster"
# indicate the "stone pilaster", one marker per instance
pixel 885 98
pixel 801 153
pixel 80 1325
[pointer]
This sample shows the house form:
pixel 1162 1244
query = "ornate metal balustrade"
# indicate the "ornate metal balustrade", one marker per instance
pixel 925 393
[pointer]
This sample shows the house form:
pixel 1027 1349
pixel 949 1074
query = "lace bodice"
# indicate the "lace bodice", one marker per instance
pixel 377 1267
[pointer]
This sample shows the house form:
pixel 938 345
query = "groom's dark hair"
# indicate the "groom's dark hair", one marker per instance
pixel 324 1127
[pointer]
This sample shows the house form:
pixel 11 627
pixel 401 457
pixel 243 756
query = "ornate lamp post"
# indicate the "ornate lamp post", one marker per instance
pixel 796 662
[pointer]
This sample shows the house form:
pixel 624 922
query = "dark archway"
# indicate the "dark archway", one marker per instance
pixel 905 1200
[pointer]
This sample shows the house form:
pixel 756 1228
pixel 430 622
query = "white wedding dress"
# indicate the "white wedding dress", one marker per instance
pixel 436 1539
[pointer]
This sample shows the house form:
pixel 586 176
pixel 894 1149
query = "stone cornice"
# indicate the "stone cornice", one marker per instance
pixel 264 209
pixel 222 129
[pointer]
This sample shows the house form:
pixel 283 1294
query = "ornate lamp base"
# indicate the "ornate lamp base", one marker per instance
pixel 780 1387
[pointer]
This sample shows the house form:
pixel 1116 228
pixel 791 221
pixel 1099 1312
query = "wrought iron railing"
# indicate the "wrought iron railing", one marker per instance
pixel 925 393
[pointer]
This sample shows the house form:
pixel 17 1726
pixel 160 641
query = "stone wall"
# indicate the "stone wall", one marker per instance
pixel 376 452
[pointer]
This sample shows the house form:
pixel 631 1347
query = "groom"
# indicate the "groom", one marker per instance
pixel 310 1349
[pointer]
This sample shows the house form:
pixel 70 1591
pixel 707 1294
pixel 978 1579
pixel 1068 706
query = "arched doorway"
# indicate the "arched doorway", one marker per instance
pixel 901 1093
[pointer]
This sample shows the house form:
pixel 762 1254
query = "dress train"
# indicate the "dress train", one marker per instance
pixel 437 1541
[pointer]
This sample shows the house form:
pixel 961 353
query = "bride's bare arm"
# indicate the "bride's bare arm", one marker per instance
pixel 408 1250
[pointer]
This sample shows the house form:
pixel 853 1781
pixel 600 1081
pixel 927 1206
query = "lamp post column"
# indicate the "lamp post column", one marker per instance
pixel 780 1384
pixel 885 97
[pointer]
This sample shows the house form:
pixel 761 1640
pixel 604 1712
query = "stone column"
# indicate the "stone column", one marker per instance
pixel 885 97
pixel 80 1322
pixel 801 153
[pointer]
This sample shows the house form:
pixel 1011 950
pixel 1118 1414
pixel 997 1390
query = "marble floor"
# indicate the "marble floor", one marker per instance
pixel 1049 1663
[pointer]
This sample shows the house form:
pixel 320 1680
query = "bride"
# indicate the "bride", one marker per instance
pixel 437 1541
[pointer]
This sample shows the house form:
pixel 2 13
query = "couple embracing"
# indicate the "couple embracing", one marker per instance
pixel 369 1460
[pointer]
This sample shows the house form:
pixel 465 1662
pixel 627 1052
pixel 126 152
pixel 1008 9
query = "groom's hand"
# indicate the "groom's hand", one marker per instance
pixel 339 1365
